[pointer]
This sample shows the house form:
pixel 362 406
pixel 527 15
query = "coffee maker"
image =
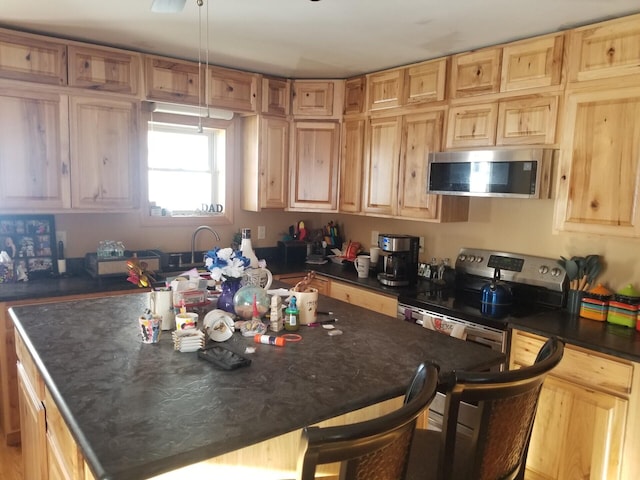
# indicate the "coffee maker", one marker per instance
pixel 398 262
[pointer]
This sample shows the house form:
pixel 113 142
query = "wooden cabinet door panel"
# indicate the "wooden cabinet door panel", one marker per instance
pixel 532 63
pixel 475 73
pixel 425 82
pixel 578 433
pixel 172 80
pixel 232 89
pixel 472 126
pixel 314 166
pixel 351 164
pixel 354 95
pixel 275 96
pixel 421 135
pixel 101 69
pixel 26 57
pixel 384 89
pixel 33 421
pixel 605 50
pixel 104 157
pixel 381 167
pixel 527 121
pixel 34 163
pixel 600 163
pixel 274 165
pixel 313 99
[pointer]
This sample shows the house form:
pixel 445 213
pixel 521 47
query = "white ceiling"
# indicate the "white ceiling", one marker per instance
pixel 308 39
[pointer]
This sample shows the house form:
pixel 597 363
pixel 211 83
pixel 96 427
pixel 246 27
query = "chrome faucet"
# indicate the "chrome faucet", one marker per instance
pixel 193 240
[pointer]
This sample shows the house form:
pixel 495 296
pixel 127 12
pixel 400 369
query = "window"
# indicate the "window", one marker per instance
pixel 186 170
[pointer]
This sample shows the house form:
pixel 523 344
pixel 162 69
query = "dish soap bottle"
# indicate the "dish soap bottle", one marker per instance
pixel 247 249
pixel 292 316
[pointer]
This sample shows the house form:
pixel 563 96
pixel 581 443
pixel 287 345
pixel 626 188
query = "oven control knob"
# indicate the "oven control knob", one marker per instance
pixel 479 259
pixel 462 257
pixel 556 272
pixel 472 258
pixel 543 269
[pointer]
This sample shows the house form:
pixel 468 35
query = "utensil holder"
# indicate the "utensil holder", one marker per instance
pixel 574 301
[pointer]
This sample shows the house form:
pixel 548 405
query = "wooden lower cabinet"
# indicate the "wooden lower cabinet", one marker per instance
pixel 364 298
pixel 9 403
pixel 49 451
pixel 34 424
pixel 346 292
pixel 586 425
pixel 321 283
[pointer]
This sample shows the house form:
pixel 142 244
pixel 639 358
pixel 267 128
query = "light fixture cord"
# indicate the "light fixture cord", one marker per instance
pixel 206 72
pixel 200 2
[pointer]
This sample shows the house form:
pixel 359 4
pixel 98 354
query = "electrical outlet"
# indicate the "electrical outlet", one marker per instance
pixel 61 236
pixel 422 243
pixel 374 237
pixel 262 232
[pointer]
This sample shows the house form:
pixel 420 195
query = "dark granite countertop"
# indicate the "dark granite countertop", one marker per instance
pixel 118 394
pixel 80 284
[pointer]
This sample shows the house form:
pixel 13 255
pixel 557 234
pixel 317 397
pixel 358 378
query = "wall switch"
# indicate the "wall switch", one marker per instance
pixel 262 232
pixel 374 237
pixel 421 243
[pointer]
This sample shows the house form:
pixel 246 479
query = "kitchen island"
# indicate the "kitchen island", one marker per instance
pixel 138 410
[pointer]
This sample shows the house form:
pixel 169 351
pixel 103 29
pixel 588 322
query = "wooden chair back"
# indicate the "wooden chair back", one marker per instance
pixel 376 449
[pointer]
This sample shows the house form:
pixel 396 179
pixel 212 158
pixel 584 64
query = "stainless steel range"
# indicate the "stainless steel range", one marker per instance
pixel 536 285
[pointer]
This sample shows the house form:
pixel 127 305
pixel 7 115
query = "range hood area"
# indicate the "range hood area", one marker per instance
pixel 511 173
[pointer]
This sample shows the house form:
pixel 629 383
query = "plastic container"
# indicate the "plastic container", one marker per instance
pixel 595 303
pixel 624 307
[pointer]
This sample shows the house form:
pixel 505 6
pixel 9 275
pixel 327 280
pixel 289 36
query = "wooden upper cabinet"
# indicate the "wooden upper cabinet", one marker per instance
pixel 605 50
pixel 351 163
pixel 532 63
pixel 475 73
pixel 104 69
pixel 354 95
pixel 599 173
pixel 313 98
pixel 232 89
pixel 425 82
pixel 385 89
pixel 265 149
pixel 527 121
pixel 421 135
pixel 170 80
pixel 34 158
pixel 314 166
pixel 32 58
pixel 104 153
pixel 472 126
pixel 381 166
pixel 276 93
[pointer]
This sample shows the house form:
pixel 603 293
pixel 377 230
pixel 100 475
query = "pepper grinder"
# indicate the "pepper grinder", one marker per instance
pixel 62 262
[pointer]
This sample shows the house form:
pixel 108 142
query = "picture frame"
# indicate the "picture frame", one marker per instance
pixel 30 242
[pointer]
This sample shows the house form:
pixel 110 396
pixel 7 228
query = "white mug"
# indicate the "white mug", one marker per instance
pixel 374 252
pixel 161 304
pixel 362 264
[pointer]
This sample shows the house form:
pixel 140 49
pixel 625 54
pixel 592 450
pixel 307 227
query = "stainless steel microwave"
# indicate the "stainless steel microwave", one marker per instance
pixel 516 173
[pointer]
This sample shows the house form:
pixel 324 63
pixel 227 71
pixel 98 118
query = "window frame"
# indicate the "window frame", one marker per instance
pixel 226 218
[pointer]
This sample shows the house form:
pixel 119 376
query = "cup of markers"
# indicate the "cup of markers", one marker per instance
pixel 149 326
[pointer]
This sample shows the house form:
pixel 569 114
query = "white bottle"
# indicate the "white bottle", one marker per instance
pixel 247 249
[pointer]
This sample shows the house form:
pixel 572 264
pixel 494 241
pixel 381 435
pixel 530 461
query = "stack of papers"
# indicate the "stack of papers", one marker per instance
pixel 188 340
